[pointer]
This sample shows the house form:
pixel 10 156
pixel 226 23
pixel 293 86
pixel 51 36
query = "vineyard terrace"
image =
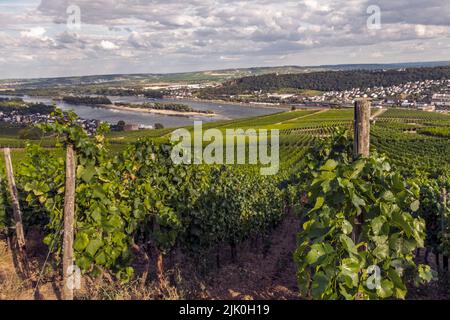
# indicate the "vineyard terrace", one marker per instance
pixel 249 146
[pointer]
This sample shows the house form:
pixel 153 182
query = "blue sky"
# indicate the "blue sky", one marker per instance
pixel 155 36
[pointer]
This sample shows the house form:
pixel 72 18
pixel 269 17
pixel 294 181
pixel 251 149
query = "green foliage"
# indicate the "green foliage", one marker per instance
pixel 413 154
pixel 20 107
pixel 443 132
pixel 237 204
pixel 139 197
pixel 30 134
pixel 86 100
pixel 136 197
pixel 41 183
pixel 7 104
pixel 363 215
pixel 435 213
pixel 159 126
pixel 152 94
pixel 120 125
pixel 180 107
pixel 394 114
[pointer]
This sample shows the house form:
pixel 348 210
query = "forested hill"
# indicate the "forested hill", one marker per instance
pixel 328 80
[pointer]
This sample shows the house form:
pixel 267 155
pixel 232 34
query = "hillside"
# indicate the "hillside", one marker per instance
pixel 327 80
pixel 200 76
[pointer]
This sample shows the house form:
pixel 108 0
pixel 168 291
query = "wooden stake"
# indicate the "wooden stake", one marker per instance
pixel 147 260
pixel 437 261
pixel 69 217
pixel 361 145
pixel 20 234
pixel 160 267
pixel 444 226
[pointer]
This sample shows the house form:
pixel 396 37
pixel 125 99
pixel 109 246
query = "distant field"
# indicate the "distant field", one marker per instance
pixel 413 139
pixel 132 80
pixel 443 132
pixel 127 137
pixel 405 114
pixel 303 92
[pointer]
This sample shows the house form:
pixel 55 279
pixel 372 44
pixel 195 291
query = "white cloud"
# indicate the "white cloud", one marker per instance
pixel 377 55
pixel 27 57
pixel 315 5
pixel 34 33
pixel 421 30
pixel 209 34
pixel 229 58
pixel 108 45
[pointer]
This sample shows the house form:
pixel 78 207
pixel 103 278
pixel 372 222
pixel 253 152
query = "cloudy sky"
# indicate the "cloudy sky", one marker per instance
pixel 42 38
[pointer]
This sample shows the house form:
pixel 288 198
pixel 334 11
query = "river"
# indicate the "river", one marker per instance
pixel 222 111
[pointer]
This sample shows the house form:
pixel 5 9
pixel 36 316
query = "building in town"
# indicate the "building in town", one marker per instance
pixel 441 100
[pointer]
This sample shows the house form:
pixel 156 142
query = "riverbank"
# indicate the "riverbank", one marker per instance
pixel 221 111
pixel 256 105
pixel 155 111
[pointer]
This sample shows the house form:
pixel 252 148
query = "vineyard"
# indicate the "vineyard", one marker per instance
pixel 136 212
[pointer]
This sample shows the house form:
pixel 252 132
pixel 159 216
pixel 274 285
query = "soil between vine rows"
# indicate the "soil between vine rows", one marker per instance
pixel 262 270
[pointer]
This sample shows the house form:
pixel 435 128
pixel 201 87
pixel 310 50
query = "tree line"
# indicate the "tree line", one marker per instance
pixel 326 81
pixel 86 100
pixel 23 108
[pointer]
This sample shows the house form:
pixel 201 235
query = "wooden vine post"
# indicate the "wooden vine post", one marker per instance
pixel 444 218
pixel 17 213
pixel 69 217
pixel 361 146
pixel 159 260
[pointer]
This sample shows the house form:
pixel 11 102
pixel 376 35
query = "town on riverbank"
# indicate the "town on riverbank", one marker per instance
pixel 425 89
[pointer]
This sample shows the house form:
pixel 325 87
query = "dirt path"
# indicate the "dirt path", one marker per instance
pixel 377 114
pixel 302 117
pixel 263 270
pixel 12 286
pixel 261 276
